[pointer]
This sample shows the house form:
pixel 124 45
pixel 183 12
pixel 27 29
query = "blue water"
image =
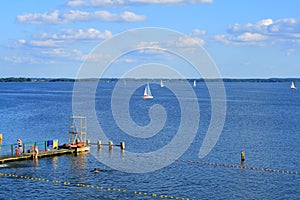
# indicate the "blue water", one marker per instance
pixel 262 119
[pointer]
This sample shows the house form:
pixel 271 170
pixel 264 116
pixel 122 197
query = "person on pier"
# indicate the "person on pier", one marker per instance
pixel 35 152
pixel 20 146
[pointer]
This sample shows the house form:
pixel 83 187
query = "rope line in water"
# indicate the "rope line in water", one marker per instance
pixel 239 167
pixel 96 187
pixel 144 193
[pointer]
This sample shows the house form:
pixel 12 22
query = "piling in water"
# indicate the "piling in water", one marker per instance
pixel 110 144
pixel 99 143
pixel 122 145
pixel 242 156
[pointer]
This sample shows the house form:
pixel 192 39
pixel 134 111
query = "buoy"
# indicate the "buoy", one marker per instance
pixel 242 156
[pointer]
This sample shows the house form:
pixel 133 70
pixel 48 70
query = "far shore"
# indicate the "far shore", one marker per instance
pixel 24 79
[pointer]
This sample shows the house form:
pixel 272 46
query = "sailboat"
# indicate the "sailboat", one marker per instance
pixel 293 87
pixel 147 92
pixel 194 83
pixel 161 83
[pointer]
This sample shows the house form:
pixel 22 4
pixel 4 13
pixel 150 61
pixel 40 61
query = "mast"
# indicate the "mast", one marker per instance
pixel 293 87
pixel 148 90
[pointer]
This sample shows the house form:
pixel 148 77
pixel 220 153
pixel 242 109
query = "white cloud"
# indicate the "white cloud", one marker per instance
pixel 95 3
pixel 94 57
pixel 25 59
pixel 40 18
pixel 152 45
pixel 107 3
pixel 131 17
pixel 54 45
pixel 44 43
pixel 182 42
pixel 21 41
pixel 189 42
pixel 55 17
pixel 265 22
pixel 129 60
pixel 197 32
pixel 78 54
pixel 73 54
pixel 70 34
pixel 186 43
pixel 251 37
pixel 263 32
pixel 57 52
pixel 157 1
pixel 222 38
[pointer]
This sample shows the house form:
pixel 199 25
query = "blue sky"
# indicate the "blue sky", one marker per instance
pixel 245 39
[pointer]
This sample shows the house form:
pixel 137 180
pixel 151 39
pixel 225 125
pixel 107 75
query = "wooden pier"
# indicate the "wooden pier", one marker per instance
pixel 41 154
pixel 77 143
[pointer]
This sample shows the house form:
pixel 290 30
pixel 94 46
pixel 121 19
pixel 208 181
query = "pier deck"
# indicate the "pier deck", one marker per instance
pixel 41 154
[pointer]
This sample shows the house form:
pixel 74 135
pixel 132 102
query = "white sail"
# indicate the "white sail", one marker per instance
pixel 147 92
pixel 161 83
pixel 293 87
pixel 194 83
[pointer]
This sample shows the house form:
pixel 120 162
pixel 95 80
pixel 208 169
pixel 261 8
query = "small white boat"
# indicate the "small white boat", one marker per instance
pixel 147 92
pixel 293 87
pixel 161 83
pixel 195 84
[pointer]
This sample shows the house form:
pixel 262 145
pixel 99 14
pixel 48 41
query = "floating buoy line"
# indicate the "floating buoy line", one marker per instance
pixel 144 193
pixel 96 187
pixel 244 167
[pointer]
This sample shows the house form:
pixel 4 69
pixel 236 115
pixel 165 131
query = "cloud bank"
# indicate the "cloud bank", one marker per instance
pixel 55 17
pixel 263 32
pixel 110 3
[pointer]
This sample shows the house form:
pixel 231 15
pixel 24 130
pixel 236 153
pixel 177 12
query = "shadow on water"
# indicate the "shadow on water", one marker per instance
pixel 17 165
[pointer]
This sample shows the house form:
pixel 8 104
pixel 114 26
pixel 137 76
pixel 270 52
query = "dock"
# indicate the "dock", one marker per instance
pixel 41 154
pixel 77 143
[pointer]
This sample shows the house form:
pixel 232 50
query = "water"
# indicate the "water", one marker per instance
pixel 262 119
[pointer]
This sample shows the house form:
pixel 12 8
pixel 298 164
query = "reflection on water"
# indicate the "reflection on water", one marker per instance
pixel 18 165
pixel 55 163
pixel 36 163
pixel 80 161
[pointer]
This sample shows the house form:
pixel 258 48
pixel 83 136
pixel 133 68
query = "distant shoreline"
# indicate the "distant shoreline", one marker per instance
pixel 23 79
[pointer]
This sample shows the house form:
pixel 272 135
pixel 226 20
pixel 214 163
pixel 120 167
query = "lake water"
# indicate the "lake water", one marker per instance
pixel 262 119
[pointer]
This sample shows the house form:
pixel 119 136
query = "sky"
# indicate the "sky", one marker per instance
pixel 245 39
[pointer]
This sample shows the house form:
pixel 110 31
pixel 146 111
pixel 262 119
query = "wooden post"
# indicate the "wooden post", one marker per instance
pixel 12 149
pixel 99 143
pixel 122 145
pixel 24 147
pixel 242 156
pixel 110 144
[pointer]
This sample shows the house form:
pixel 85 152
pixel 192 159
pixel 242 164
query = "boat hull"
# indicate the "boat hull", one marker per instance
pixel 148 97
